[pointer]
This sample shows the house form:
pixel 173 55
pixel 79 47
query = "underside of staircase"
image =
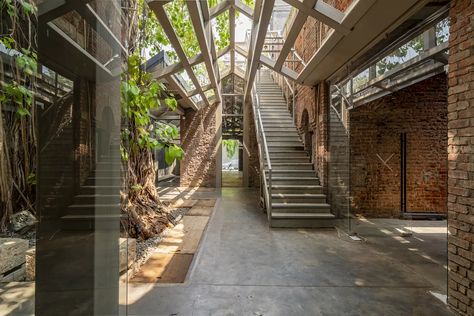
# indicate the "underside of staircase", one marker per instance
pixel 296 195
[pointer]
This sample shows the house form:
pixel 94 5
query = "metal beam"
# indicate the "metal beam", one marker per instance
pixel 176 67
pixel 218 9
pixel 93 19
pixel 258 33
pixel 241 51
pixel 158 8
pixel 296 26
pixel 176 86
pixel 232 37
pixel 243 8
pixel 81 51
pixel 322 12
pixel 204 41
pixel 197 91
pixel 284 71
pixel 223 51
pixel 53 9
pixel 212 46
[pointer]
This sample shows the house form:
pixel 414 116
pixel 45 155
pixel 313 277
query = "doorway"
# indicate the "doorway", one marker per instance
pixel 232 163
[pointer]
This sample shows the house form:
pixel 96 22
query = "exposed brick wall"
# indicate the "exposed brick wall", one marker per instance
pixel 199 142
pixel 461 157
pixel 313 99
pixel 420 111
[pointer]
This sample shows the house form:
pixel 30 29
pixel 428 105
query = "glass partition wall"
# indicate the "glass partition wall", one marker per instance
pixel 64 245
pixel 387 160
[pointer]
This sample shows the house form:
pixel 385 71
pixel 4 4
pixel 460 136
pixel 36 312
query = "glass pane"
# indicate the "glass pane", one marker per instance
pixel 224 64
pixel 442 31
pixel 183 78
pixel 201 73
pixel 243 26
pixel 221 30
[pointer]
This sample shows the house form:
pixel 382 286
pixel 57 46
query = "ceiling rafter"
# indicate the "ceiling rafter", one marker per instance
pixel 243 8
pixel 285 71
pixel 210 37
pixel 158 8
pixel 203 35
pixel 176 86
pixel 322 12
pixel 295 28
pixel 176 67
pixel 232 37
pixel 218 9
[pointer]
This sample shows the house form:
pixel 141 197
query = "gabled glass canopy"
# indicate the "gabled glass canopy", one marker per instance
pixel 235 37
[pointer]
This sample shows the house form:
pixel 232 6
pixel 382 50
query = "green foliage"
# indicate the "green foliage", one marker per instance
pixel 140 94
pixel 179 16
pixel 223 30
pixel 230 146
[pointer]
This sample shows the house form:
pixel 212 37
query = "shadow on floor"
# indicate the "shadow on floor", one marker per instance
pixel 246 268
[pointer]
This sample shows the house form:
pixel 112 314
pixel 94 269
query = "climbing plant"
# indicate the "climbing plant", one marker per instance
pixel 17 114
pixel 230 146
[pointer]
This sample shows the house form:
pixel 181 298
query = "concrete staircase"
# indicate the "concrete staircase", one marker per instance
pixel 297 196
pixel 98 198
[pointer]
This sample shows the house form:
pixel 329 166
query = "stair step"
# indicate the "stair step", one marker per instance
pixel 274 147
pixel 276 142
pixel 91 209
pixel 294 180
pixel 280 219
pixel 290 198
pixel 290 173
pixel 94 198
pixel 283 137
pixel 296 188
pixel 306 206
pixel 99 189
pixel 87 222
pixel 277 166
pixel 292 156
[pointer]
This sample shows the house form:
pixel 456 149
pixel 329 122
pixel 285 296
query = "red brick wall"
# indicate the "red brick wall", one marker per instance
pixel 313 99
pixel 420 111
pixel 199 139
pixel 461 158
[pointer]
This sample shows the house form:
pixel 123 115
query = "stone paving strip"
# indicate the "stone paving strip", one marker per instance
pixel 172 258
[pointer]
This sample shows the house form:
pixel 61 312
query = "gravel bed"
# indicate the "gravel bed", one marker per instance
pixel 145 248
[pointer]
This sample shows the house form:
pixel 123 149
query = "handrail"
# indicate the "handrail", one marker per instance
pixel 263 150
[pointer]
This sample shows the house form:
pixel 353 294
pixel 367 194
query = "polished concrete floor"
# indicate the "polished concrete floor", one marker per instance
pixel 232 178
pixel 245 268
